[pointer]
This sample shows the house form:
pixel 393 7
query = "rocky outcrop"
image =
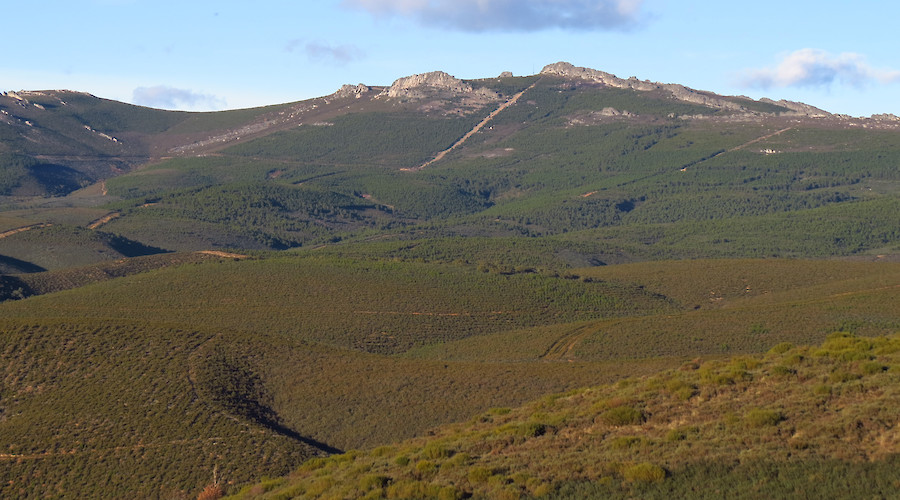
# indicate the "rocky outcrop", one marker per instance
pixel 614 112
pixel 355 91
pixel 427 84
pixel 568 70
pixel 597 117
pixel 798 107
pixel 886 117
pixel 680 92
pixel 693 96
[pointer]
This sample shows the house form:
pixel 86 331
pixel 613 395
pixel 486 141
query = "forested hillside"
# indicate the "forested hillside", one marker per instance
pixel 427 289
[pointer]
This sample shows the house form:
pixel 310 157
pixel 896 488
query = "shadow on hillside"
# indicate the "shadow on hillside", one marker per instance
pixel 131 248
pixel 231 385
pixel 10 265
pixel 12 288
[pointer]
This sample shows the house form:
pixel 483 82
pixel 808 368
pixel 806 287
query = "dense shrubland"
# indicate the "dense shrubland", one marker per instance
pixel 373 302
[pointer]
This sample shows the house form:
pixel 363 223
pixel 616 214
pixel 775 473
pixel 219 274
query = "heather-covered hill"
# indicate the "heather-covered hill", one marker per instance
pixel 202 297
pixel 797 421
pixel 249 366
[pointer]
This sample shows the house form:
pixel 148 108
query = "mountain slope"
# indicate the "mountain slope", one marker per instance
pixel 421 253
pixel 625 163
pixel 798 421
pixel 278 355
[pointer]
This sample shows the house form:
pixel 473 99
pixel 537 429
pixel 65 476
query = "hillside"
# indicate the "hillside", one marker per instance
pixel 202 297
pixel 276 354
pixel 628 170
pixel 798 421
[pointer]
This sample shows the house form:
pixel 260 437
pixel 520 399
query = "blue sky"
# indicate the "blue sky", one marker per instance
pixel 208 55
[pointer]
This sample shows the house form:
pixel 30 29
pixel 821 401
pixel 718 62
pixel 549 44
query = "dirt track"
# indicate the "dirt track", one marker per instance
pixel 103 220
pixel 224 255
pixel 562 347
pixel 23 229
pixel 742 146
pixel 758 139
pixel 474 131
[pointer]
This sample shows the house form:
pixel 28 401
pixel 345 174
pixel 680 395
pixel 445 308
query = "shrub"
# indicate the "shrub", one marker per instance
pixel 873 367
pixel 690 365
pixel 715 376
pixel 479 475
pixel 795 359
pixel 320 486
pixel 822 390
pixel 381 451
pixel 676 435
pixel 435 451
pixel 541 489
pixel 681 389
pixel 759 417
pixel 840 376
pixel 424 467
pixel 449 493
pixel 458 459
pixel 622 415
pixel 644 472
pixel 507 492
pixel 531 429
pixel 373 481
pixel 412 489
pixel 211 492
pixel 314 464
pixel 373 495
pixel 781 348
pixel 621 443
pixel 780 371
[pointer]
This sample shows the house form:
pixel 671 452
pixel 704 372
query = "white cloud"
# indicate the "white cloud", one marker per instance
pixel 161 96
pixel 323 51
pixel 511 15
pixel 818 68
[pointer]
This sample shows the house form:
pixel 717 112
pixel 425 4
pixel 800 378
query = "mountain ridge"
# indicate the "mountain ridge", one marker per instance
pixel 405 86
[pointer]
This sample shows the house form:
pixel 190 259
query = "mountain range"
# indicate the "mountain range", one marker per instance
pixel 427 289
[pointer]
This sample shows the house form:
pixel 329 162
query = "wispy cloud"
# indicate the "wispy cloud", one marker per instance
pixel 511 15
pixel 818 68
pixel 161 96
pixel 322 51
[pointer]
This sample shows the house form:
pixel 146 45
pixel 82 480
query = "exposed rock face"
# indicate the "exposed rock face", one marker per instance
pixel 680 92
pixel 568 70
pixel 597 117
pixel 614 112
pixel 798 107
pixel 506 74
pixel 426 84
pixel 352 91
pixel 887 117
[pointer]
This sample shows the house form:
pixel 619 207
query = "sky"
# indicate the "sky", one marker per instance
pixel 200 55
